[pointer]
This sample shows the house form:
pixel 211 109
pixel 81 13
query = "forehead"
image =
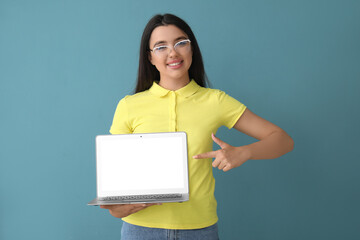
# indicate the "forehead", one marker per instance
pixel 166 34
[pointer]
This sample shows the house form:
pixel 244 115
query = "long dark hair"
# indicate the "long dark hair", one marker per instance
pixel 147 73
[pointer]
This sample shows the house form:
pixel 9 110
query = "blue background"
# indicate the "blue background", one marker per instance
pixel 64 65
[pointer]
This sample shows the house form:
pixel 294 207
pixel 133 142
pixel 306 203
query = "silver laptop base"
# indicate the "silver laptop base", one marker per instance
pixel 156 198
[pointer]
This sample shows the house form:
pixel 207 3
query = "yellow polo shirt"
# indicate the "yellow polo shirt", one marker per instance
pixel 197 111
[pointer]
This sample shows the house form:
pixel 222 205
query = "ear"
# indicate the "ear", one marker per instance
pixel 150 58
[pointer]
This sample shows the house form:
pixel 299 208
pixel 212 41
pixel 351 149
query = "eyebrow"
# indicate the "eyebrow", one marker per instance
pixel 175 40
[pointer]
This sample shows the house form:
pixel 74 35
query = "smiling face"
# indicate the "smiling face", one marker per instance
pixel 174 65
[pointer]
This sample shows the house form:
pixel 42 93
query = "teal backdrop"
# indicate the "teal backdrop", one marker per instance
pixel 64 65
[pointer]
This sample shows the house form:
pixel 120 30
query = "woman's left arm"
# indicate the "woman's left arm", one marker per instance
pixel 273 143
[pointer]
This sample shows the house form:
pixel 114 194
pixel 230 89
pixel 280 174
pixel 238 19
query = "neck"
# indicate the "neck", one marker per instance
pixel 174 84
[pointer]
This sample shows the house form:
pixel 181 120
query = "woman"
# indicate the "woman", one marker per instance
pixel 171 95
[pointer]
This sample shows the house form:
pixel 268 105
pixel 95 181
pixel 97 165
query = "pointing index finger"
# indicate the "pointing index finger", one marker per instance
pixel 211 154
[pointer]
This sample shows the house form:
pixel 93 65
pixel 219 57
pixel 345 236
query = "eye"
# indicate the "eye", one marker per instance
pixel 182 43
pixel 160 48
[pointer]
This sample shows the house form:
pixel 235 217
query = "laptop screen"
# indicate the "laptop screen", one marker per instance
pixel 136 164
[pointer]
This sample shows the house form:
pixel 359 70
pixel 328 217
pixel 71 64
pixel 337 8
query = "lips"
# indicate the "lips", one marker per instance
pixel 175 64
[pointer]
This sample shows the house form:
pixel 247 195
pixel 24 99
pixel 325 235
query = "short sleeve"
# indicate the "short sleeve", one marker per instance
pixel 120 124
pixel 230 109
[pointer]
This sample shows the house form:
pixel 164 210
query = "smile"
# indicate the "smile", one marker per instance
pixel 175 64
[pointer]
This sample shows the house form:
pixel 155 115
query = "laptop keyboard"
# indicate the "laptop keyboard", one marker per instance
pixel 142 197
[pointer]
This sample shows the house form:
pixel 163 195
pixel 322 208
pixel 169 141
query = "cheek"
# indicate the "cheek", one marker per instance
pixel 190 61
pixel 159 66
pixel 190 56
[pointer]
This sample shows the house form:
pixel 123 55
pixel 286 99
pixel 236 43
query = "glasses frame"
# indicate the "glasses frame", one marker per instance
pixel 168 47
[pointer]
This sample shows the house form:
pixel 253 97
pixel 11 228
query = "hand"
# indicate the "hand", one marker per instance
pixel 124 210
pixel 226 158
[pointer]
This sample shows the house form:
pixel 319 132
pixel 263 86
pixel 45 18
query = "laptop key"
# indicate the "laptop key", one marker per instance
pixel 141 197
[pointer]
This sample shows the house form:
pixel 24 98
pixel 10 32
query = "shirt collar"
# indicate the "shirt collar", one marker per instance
pixel 185 91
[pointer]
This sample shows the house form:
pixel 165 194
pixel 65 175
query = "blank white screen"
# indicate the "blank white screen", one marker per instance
pixel 140 163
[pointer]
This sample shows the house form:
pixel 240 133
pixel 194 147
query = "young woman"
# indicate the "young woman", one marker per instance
pixel 171 95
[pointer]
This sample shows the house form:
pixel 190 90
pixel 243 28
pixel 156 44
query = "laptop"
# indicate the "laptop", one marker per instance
pixel 141 168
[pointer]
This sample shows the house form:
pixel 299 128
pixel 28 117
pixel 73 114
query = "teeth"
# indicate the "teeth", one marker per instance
pixel 174 64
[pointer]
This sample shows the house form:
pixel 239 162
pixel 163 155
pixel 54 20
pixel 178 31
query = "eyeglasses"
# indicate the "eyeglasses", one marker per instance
pixel 181 47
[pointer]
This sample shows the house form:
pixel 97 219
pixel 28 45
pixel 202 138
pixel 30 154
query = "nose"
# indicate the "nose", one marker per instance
pixel 172 52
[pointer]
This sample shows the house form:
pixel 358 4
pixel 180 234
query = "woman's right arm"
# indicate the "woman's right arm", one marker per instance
pixel 124 210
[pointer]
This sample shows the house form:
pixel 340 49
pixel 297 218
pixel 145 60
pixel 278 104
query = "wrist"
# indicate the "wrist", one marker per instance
pixel 246 151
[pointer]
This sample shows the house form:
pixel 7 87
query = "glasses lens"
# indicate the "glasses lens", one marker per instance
pixel 182 46
pixel 161 50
